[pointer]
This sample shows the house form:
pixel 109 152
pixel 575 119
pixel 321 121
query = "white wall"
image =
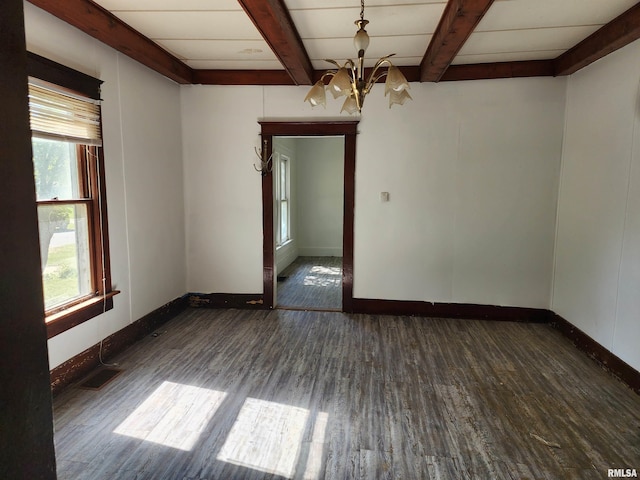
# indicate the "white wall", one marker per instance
pixel 143 162
pixel 320 201
pixel 597 266
pixel 472 169
pixel 223 192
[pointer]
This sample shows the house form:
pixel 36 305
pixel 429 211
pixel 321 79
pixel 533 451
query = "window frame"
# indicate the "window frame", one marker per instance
pixel 282 195
pixel 64 317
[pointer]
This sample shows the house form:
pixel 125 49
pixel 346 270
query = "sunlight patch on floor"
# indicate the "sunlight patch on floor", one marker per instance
pixel 316 450
pixel 266 436
pixel 174 415
pixel 322 270
pixel 321 276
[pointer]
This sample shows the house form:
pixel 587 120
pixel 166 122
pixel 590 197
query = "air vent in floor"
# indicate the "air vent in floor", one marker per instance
pixel 99 379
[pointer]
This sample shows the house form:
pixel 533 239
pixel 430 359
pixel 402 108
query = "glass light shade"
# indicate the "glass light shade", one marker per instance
pixel 398 97
pixel 350 105
pixel 340 84
pixel 316 95
pixel 361 39
pixel 396 81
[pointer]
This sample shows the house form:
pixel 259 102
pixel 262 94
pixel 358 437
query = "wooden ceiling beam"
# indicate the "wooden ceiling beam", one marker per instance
pixel 101 24
pixel 273 21
pixel 412 73
pixel 458 21
pixel 481 71
pixel 242 77
pixel 614 35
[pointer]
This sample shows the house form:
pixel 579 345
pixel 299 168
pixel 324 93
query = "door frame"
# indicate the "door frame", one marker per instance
pixel 348 129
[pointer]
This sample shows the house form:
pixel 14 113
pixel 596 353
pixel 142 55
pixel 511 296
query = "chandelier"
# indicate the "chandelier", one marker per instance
pixel 349 79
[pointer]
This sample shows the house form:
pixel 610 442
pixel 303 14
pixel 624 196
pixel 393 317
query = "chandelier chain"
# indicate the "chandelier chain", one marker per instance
pixel 361 9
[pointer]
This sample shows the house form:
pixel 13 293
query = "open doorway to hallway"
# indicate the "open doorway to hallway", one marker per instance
pixel 347 130
pixel 308 221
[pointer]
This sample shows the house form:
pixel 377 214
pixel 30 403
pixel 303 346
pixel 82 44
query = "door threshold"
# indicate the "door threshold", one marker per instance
pixel 308 309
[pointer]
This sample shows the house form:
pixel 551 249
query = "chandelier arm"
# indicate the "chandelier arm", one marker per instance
pixel 373 81
pixel 382 61
pixel 333 62
pixel 372 76
pixel 352 67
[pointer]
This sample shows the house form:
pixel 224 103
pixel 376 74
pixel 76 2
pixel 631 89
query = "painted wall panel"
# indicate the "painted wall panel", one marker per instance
pixel 506 183
pixel 223 197
pixel 596 269
pixel 320 201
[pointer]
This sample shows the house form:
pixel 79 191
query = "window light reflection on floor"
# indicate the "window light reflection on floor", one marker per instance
pixel 174 415
pixel 322 270
pixel 321 276
pixel 316 449
pixel 267 436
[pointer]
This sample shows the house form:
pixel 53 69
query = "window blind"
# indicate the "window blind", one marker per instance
pixel 59 115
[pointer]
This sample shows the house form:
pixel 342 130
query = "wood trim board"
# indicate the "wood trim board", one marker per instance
pixel 82 364
pixel 349 130
pixel 597 352
pixel 26 432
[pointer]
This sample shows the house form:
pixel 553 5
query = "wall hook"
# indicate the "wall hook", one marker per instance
pixel 266 166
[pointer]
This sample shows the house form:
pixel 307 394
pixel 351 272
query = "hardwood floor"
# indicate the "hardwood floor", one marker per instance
pixel 312 283
pixel 231 394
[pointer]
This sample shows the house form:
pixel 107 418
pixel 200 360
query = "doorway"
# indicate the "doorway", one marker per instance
pixel 346 130
pixel 308 175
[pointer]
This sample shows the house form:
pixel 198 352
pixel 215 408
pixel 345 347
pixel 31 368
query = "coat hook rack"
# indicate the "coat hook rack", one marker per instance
pixel 266 166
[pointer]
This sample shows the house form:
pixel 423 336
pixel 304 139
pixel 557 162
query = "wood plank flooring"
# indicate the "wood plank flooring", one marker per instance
pixel 312 283
pixel 230 394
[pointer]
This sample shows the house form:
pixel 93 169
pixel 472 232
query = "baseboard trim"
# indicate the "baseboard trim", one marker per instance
pixel 227 300
pixel 611 362
pixel 450 310
pixel 82 364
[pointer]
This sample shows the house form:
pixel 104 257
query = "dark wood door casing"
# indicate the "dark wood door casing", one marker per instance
pixel 348 129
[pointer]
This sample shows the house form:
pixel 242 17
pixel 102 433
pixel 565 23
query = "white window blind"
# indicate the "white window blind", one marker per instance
pixel 60 115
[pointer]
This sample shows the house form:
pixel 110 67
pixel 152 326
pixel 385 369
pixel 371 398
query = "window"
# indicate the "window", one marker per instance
pixel 71 197
pixel 283 207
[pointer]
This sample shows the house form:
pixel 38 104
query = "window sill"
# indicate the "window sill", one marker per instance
pixel 278 247
pixel 73 316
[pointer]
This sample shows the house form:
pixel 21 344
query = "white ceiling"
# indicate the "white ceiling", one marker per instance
pixel 218 35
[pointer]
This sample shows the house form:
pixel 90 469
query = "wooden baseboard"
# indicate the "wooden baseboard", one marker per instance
pixel 82 364
pixel 226 300
pixel 450 310
pixel 581 340
pixel 597 352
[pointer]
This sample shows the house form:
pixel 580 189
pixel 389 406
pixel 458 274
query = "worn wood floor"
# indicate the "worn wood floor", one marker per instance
pixel 229 394
pixel 312 283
